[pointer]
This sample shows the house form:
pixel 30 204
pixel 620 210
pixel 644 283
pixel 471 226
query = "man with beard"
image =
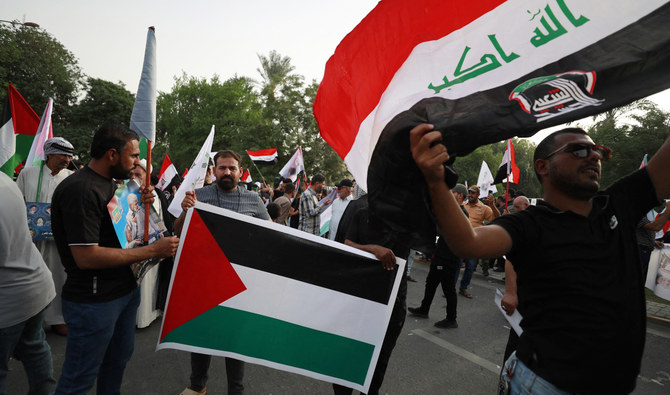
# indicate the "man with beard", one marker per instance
pixel 100 295
pixel 38 184
pixel 576 260
pixel 310 210
pixel 225 193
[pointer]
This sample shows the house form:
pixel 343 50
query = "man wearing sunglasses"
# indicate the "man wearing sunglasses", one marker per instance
pixel 575 257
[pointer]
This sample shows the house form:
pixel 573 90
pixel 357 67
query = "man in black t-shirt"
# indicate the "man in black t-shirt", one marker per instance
pixel 575 257
pixel 100 295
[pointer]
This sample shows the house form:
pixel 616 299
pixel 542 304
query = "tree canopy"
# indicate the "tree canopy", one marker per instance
pixel 40 68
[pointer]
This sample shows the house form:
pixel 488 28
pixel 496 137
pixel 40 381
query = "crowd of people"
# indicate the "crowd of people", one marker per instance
pixel 571 264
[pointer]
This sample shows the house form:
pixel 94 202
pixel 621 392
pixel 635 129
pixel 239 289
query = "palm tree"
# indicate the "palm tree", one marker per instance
pixel 274 70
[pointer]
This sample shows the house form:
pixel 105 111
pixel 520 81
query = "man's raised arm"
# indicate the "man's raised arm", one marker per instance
pixel 482 242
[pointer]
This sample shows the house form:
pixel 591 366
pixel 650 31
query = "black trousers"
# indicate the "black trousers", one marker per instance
pixel 442 271
pixel 200 366
pixel 393 330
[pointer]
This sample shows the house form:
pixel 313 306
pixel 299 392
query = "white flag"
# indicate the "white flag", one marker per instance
pixel 143 118
pixel 195 177
pixel 294 166
pixel 485 181
pixel 44 132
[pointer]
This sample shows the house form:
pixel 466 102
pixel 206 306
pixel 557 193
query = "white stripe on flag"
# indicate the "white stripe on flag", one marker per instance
pixel 430 61
pixel 307 305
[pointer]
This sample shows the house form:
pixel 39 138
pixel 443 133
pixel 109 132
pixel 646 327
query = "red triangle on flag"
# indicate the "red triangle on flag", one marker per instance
pixel 166 163
pixel 204 278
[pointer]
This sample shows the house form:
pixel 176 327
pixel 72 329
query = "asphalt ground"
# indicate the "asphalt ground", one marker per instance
pixel 426 360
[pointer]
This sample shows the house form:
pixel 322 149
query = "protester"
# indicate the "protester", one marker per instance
pixel 444 267
pixel 363 234
pixel 310 209
pixel 100 295
pixel 149 309
pixel 478 213
pixel 38 184
pixel 284 202
pixel 225 193
pixel 339 205
pixel 26 288
pixel 576 259
pixel 645 232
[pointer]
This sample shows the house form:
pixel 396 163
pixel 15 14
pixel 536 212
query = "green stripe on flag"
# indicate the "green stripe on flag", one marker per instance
pixel 23 143
pixel 258 336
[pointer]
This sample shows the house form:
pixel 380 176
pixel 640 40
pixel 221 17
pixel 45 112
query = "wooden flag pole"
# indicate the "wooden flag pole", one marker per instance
pixel 147 183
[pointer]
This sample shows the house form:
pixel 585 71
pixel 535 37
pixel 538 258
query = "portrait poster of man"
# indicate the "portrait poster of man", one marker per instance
pixel 127 215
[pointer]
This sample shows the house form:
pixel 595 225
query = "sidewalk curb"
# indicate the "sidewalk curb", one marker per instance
pixel 658 320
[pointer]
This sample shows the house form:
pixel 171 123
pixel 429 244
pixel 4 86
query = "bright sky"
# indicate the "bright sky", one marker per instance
pixel 199 37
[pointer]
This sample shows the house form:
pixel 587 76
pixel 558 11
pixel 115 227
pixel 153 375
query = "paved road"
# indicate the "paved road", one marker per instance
pixel 426 360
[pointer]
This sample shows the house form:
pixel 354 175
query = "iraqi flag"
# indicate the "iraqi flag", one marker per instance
pixel 294 166
pixel 246 177
pixel 17 131
pixel 264 156
pixel 481 72
pixel 508 167
pixel 167 174
pixel 323 315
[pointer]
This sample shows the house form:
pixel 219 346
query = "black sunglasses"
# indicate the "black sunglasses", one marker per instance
pixel 583 150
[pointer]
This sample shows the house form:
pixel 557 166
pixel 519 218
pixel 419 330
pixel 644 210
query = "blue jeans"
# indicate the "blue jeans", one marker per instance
pixel 28 342
pixel 410 260
pixel 522 380
pixel 100 342
pixel 470 265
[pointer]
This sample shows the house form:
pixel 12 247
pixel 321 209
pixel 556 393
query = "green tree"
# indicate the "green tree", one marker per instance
pixel 40 67
pixel 644 133
pixel 186 114
pixel 104 101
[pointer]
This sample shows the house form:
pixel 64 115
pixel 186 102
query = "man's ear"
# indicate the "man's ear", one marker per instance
pixel 542 167
pixel 112 155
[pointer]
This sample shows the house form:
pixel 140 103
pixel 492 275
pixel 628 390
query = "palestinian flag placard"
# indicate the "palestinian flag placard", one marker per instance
pixel 484 71
pixel 321 312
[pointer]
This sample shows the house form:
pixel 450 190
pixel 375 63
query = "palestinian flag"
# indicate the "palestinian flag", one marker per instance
pixel 481 72
pixel 17 131
pixel 264 156
pixel 508 171
pixel 323 315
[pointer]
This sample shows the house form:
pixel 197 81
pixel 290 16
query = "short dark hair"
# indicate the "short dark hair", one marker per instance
pixel 273 210
pixel 226 153
pixel 111 135
pixel 318 178
pixel 548 145
pixel 289 187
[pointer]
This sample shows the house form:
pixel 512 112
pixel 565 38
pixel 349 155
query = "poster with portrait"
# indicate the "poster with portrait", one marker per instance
pixel 658 276
pixel 127 215
pixel 39 220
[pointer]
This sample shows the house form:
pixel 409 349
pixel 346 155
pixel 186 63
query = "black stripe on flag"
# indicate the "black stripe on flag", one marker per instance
pixel 286 255
pixel 630 64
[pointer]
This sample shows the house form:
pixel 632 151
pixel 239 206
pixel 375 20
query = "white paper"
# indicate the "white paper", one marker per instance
pixel 514 319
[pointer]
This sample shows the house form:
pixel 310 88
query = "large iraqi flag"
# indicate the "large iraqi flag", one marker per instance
pixel 481 72
pixel 321 312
